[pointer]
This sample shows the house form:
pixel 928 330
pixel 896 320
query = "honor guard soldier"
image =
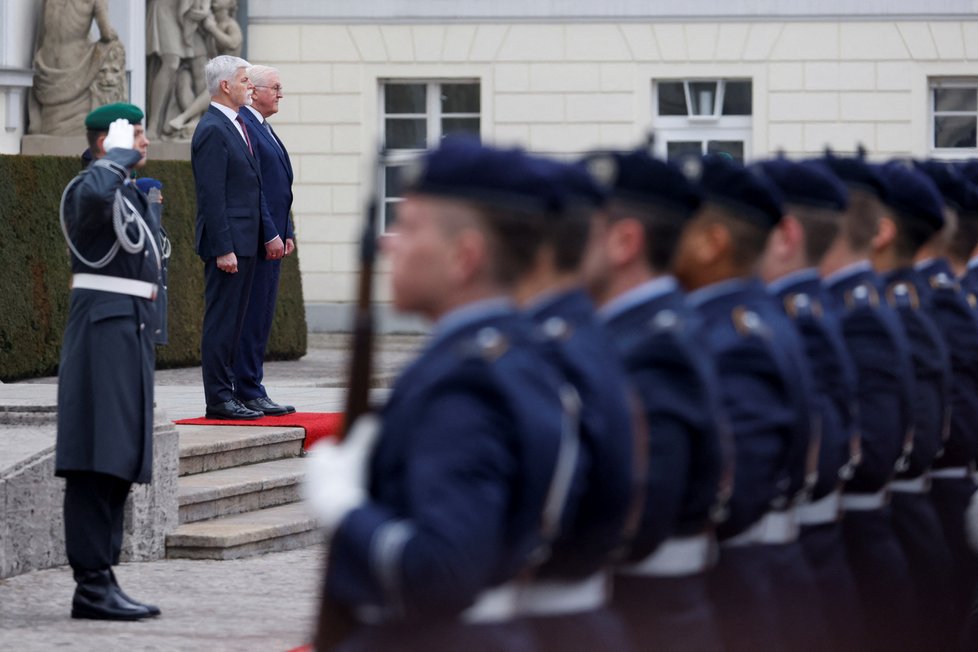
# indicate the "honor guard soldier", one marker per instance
pixel 660 586
pixel 432 526
pixel 913 214
pixel 814 200
pixel 567 600
pixel 764 591
pixel 878 348
pixel 942 297
pixel 105 377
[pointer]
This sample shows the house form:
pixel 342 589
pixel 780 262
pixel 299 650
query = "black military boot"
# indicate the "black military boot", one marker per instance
pixel 96 597
pixel 151 608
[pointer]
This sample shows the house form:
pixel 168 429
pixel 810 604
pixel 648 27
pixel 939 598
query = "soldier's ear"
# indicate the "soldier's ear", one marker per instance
pixel 886 233
pixel 100 144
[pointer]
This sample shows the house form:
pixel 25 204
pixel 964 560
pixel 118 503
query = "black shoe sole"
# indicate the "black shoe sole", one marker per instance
pixel 85 614
pixel 211 415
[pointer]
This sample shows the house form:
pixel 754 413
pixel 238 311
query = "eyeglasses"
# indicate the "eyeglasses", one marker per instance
pixel 277 87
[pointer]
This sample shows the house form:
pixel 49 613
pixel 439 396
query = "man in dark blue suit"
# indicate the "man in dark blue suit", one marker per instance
pixel 431 526
pixel 233 228
pixel 567 600
pixel 913 214
pixel 764 591
pixel 276 172
pixel 880 353
pixel 814 201
pixel 661 581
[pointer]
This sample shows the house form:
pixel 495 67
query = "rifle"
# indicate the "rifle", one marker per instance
pixel 336 620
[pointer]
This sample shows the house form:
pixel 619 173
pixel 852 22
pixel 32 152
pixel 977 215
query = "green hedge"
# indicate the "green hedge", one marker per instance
pixel 34 270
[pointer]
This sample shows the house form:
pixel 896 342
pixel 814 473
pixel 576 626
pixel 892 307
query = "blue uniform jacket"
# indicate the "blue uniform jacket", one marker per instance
pixel 931 365
pixel 765 386
pixel 601 493
pixel 677 386
pixel 802 299
pixel 880 353
pixel 464 461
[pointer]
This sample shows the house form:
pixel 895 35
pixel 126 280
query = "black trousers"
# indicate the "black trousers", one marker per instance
pixel 94 507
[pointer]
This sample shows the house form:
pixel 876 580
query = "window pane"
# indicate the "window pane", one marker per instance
pixel 955 99
pixel 459 98
pixel 390 214
pixel 405 98
pixel 737 98
pixel 733 148
pixel 451 126
pixel 702 95
pixel 680 148
pixel 672 98
pixel 392 181
pixel 406 133
pixel 955 131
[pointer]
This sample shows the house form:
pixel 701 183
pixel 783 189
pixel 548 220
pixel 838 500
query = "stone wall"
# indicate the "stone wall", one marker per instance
pixel 31 499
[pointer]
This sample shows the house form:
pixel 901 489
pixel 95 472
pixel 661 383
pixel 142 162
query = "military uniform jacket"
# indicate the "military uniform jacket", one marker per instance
pixel 105 378
pixel 932 370
pixel 878 348
pixel 945 301
pixel 765 386
pixel 465 457
pixel 601 492
pixel 801 297
pixel 677 386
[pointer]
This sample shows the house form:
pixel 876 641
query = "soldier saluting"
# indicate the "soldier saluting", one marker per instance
pixel 105 385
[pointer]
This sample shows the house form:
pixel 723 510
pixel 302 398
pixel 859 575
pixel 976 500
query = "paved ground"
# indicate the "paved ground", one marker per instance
pixel 264 603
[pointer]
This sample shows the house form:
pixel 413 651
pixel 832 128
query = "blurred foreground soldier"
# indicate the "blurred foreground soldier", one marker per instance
pixel 566 601
pixel 913 214
pixel 433 524
pixel 878 348
pixel 660 586
pixel 763 588
pixel 952 484
pixel 814 200
pixel 964 248
pixel 105 383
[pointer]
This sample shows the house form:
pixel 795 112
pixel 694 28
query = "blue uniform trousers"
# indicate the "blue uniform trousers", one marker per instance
pixel 448 636
pixel 597 629
pixel 668 614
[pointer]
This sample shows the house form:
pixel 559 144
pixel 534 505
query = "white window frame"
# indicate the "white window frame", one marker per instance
pixel 702 128
pixel 948 82
pixel 433 115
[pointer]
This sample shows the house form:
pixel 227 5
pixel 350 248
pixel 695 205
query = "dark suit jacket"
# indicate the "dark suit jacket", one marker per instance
pixel 276 172
pixel 231 215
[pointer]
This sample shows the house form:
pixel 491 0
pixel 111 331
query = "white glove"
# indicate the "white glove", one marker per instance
pixel 121 134
pixel 336 477
pixel 971 522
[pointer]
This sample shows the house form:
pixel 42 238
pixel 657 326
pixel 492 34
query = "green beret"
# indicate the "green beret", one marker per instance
pixel 102 117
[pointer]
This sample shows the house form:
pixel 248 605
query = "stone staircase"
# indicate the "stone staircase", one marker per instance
pixel 238 493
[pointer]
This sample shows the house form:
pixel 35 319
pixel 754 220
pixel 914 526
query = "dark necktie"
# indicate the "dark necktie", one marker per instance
pixel 244 130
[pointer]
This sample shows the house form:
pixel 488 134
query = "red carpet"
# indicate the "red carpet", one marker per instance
pixel 316 424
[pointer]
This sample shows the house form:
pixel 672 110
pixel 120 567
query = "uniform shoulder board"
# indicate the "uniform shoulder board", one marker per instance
pixel 556 328
pixel 802 304
pixel 943 281
pixel 901 294
pixel 862 295
pixel 747 322
pixel 665 320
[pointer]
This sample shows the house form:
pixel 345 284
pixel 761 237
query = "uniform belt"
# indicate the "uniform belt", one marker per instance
pixel 822 511
pixel 676 557
pixel 556 597
pixel 493 605
pixel 918 485
pixel 866 502
pixel 955 472
pixel 117 284
pixel 773 528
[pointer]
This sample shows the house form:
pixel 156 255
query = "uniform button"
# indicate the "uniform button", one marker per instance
pixel 157 331
pixel 142 326
pixel 165 288
pixel 145 254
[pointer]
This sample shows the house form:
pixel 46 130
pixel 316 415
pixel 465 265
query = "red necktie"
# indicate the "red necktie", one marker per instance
pixel 244 130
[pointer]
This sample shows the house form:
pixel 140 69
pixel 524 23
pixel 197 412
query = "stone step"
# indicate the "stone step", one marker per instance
pixel 240 489
pixel 208 448
pixel 275 529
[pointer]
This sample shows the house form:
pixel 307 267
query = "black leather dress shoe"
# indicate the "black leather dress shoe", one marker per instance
pixel 268 406
pixel 97 598
pixel 151 608
pixel 232 409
